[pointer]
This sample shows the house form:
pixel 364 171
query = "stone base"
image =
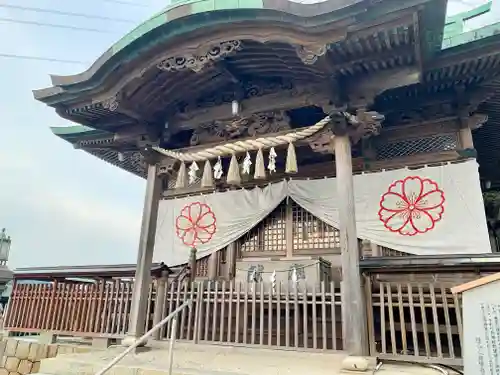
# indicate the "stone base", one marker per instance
pixel 353 365
pixel 130 340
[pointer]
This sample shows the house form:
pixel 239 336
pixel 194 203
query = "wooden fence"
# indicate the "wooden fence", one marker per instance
pixel 98 309
pixel 406 321
pixel 258 314
pixel 228 312
pixel 419 322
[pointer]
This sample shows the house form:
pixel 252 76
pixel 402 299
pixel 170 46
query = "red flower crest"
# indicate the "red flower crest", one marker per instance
pixel 412 206
pixel 196 224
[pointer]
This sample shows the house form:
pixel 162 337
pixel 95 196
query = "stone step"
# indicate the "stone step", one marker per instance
pixel 203 359
pixel 190 359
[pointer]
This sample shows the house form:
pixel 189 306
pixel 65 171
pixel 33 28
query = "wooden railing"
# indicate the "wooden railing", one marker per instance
pixel 420 322
pixel 256 314
pixel 68 308
pixel 412 321
pixel 285 316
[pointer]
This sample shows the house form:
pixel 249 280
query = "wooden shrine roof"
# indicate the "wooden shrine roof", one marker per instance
pixel 441 263
pixel 373 42
pixel 183 19
pixel 89 271
pixel 467 65
pixel 362 36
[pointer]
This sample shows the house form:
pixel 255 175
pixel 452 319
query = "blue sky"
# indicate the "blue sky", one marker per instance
pixel 60 205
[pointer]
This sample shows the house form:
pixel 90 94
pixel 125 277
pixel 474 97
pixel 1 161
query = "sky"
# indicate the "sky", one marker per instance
pixel 62 206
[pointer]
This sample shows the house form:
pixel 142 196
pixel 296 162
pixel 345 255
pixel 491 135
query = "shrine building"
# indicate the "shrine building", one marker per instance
pixel 285 145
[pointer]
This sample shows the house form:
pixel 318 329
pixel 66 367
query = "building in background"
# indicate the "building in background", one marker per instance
pixel 5 272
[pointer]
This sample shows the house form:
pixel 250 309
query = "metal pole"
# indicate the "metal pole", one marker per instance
pixel 144 337
pixel 171 346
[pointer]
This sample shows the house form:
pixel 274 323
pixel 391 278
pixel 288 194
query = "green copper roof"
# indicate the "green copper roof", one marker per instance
pixel 193 16
pixel 76 129
pixel 184 8
pixel 78 132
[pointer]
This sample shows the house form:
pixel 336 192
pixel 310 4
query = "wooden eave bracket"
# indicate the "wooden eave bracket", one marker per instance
pixel 363 94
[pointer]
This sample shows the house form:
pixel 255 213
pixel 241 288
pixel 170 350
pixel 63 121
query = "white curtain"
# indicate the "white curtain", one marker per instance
pixel 448 218
pixel 432 210
pixel 211 222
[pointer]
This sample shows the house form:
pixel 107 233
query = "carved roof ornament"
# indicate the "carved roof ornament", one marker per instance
pixel 137 162
pixel 361 125
pixel 111 103
pixel 255 125
pixel 198 60
pixel 309 54
pixel 364 124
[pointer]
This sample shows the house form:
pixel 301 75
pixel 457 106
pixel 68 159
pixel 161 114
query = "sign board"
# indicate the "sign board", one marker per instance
pixel 481 325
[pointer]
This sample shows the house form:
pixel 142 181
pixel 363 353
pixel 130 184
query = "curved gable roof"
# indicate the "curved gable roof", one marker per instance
pixel 185 18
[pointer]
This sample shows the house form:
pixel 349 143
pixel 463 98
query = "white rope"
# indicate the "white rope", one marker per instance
pixel 244 146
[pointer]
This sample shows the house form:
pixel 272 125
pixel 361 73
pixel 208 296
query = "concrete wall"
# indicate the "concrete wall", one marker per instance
pixel 22 357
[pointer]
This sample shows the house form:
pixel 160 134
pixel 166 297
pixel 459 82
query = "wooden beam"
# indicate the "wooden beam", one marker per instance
pixel 418 42
pixel 284 100
pixel 384 80
pixel 322 170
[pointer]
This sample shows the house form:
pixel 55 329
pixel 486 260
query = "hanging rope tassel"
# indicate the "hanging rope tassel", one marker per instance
pixel 181 182
pixel 291 159
pixel 260 166
pixel 233 174
pixel 207 180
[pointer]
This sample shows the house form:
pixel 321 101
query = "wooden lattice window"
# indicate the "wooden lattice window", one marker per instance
pixel 268 236
pixel 310 233
pixel 407 147
pixel 202 267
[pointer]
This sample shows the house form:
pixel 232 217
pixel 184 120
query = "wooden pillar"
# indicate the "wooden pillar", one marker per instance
pixel 231 260
pixel 192 264
pixel 161 288
pixel 354 312
pixel 289 228
pixel 142 279
pixel 213 261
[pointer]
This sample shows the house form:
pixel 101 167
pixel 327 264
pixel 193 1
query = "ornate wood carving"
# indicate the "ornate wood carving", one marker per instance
pixel 364 124
pixel 111 103
pixel 166 166
pixel 282 100
pixel 321 142
pixel 254 125
pixel 197 61
pixel 359 126
pixel 309 54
